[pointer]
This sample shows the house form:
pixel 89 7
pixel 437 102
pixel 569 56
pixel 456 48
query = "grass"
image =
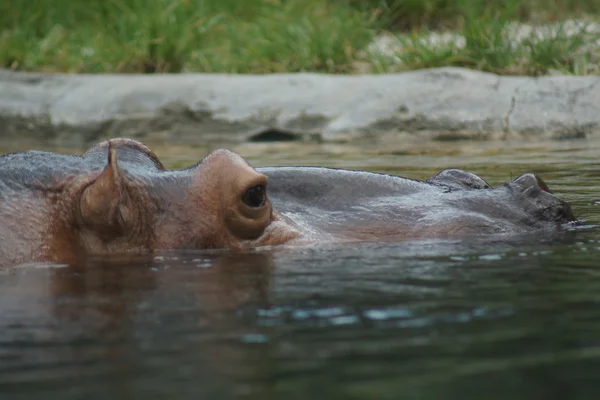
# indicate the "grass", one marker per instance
pixel 263 36
pixel 491 41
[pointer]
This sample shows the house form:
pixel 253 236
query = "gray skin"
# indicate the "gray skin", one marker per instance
pixel 117 198
pixel 331 203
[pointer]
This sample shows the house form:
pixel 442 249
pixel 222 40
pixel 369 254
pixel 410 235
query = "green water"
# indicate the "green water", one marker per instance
pixel 478 319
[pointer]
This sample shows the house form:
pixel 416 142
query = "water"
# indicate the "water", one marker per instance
pixel 515 318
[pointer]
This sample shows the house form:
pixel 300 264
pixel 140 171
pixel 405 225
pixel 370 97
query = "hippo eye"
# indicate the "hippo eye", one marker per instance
pixel 255 196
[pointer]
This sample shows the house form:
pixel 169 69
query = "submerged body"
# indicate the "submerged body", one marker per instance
pixel 118 198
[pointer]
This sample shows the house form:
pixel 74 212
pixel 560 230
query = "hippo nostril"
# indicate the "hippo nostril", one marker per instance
pixel 528 181
pixel 255 196
pixel 542 184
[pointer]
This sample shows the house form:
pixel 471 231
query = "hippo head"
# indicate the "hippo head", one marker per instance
pixel 99 211
pixel 224 204
pixel 117 198
pixel 133 205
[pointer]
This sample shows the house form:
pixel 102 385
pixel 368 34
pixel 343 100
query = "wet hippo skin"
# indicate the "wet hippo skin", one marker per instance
pixel 117 198
pixel 330 204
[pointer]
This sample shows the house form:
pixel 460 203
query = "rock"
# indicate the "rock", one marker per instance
pixel 444 104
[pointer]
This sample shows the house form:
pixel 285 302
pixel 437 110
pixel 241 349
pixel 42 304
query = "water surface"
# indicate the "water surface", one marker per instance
pixel 484 318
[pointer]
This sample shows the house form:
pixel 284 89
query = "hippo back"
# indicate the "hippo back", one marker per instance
pixel 34 169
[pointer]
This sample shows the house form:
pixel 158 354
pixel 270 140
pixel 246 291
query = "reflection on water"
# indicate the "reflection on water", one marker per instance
pixel 486 318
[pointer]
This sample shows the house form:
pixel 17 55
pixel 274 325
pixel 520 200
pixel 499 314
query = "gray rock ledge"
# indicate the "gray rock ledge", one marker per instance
pixel 445 103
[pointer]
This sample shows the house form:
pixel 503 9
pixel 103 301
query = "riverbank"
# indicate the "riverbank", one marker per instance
pixel 436 104
pixel 511 37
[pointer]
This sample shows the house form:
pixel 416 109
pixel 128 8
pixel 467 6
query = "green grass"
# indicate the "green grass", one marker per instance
pixel 490 45
pixel 262 36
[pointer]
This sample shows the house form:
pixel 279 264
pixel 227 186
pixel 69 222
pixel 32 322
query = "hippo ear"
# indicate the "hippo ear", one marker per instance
pixel 104 204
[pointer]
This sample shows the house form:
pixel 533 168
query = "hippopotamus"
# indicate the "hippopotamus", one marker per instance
pixel 118 198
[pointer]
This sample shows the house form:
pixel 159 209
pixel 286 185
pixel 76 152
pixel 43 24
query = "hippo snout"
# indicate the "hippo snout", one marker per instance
pixel 531 181
pixel 540 200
